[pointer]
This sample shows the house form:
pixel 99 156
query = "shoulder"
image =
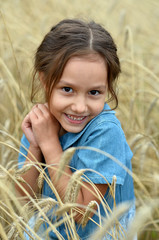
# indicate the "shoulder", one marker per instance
pixel 106 116
pixel 105 133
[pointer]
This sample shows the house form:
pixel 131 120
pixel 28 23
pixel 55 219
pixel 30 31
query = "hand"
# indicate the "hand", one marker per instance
pixel 45 126
pixel 27 130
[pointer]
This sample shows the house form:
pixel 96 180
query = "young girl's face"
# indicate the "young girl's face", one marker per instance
pixel 80 94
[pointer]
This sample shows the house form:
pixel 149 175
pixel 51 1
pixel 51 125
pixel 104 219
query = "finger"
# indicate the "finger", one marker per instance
pixel 27 119
pixel 26 122
pixel 37 111
pixel 46 104
pixel 44 109
pixel 35 106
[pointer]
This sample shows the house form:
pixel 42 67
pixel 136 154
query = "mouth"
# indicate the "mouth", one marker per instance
pixel 75 119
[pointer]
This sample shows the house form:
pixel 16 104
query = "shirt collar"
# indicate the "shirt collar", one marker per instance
pixel 70 138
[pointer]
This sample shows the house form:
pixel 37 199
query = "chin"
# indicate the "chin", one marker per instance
pixel 73 130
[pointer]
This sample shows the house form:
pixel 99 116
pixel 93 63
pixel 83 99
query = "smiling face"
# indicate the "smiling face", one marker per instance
pixel 80 94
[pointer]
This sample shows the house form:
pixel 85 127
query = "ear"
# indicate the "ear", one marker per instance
pixel 41 77
pixel 42 80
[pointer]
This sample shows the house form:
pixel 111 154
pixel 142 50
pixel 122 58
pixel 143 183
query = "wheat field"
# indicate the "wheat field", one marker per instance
pixel 134 27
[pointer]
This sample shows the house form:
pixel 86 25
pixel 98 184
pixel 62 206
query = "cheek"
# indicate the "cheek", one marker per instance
pixel 56 105
pixel 53 105
pixel 97 108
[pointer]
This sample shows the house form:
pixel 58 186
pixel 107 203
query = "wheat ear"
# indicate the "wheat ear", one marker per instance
pixel 65 159
pixel 46 201
pixel 23 169
pixel 113 186
pixel 46 205
pixel 88 212
pixel 65 208
pixel 73 186
pixel 40 180
pixel 38 224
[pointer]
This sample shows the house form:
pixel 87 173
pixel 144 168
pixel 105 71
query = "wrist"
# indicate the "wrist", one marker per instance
pixel 49 144
pixel 34 148
pixel 35 153
pixel 51 150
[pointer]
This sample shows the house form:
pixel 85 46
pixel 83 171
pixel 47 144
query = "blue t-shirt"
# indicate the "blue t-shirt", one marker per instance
pixel 103 132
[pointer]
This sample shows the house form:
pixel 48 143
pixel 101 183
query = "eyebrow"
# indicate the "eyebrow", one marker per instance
pixel 74 85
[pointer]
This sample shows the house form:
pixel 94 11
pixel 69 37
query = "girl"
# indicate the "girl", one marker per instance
pixel 76 66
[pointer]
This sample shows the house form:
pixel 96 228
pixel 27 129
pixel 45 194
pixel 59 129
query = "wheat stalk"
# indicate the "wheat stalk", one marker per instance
pixel 12 234
pixel 2 233
pixel 109 221
pixel 143 214
pixel 142 52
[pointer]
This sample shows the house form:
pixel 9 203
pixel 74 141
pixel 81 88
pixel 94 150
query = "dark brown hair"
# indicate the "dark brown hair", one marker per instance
pixel 74 38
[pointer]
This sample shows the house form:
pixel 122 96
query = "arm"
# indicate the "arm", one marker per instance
pixel 46 130
pixel 52 155
pixel 34 156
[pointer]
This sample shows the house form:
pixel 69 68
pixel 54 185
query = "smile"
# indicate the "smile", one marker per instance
pixel 75 119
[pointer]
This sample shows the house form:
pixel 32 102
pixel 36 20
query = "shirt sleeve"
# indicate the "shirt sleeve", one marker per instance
pixel 109 138
pixel 23 151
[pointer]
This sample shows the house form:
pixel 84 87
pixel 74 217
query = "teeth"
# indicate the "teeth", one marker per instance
pixel 75 118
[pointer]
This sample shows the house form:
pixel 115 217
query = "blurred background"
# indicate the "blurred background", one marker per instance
pixel 134 25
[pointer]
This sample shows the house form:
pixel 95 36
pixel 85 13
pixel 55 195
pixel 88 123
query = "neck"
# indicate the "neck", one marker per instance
pixel 62 132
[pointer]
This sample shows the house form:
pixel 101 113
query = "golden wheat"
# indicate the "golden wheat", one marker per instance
pixel 133 26
pixel 73 187
pixel 88 212
pixel 64 161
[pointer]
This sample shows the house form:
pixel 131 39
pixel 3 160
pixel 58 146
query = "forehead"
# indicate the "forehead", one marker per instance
pixel 87 70
pixel 91 57
pixel 84 63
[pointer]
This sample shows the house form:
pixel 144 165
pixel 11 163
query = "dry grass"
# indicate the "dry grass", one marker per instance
pixel 134 26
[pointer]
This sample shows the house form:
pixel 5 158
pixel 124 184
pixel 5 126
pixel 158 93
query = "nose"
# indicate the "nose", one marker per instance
pixel 79 106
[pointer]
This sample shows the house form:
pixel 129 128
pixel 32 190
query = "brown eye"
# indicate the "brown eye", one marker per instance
pixel 67 89
pixel 94 92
